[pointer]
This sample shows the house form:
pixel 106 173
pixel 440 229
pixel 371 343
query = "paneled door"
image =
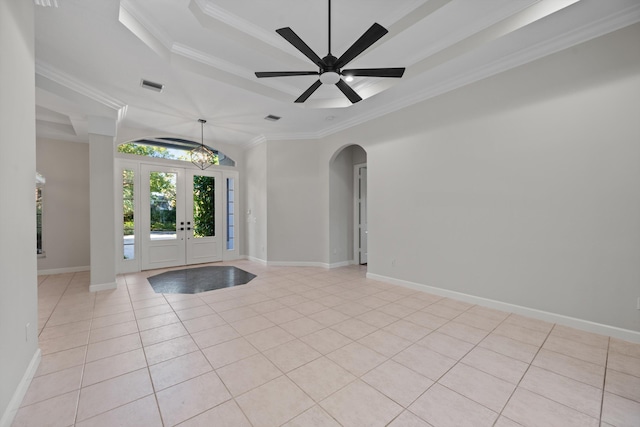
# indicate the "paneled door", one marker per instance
pixel 181 216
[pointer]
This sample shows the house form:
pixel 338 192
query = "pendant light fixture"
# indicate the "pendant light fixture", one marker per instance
pixel 201 156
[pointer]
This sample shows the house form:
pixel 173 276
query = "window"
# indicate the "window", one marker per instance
pixel 39 249
pixel 169 148
pixel 39 186
pixel 128 215
pixel 230 214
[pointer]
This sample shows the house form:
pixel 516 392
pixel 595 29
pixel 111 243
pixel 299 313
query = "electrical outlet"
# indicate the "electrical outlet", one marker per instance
pixel 638 304
pixel 27 329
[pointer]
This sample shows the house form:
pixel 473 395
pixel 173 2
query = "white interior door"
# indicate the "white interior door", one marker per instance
pixel 181 216
pixel 362 213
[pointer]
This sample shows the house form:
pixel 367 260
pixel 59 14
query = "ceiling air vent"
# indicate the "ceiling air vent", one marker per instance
pixel 148 84
pixel 272 118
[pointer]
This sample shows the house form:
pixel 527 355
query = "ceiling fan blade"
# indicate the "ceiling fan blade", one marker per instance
pixel 348 92
pixel 371 36
pixel 297 42
pixel 260 74
pixel 374 72
pixel 307 93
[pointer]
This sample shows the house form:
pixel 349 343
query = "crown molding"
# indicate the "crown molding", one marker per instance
pixel 138 19
pixel 468 31
pixel 218 13
pixel 222 15
pixel 155 31
pixel 210 60
pixel 47 71
pixel 254 142
pixel 613 22
pixel 292 136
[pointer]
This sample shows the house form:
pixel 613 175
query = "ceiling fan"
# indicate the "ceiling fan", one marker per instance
pixel 331 68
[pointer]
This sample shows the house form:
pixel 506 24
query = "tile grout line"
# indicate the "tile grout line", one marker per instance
pixel 56 305
pixel 153 388
pixel 329 327
pixel 604 379
pixel 84 364
pixel 460 361
pixel 522 377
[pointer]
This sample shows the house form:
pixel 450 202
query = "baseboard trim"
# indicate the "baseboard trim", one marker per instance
pixel 341 264
pixel 64 270
pixel 103 287
pixel 14 404
pixel 585 325
pixel 301 263
pixel 297 264
pixel 254 259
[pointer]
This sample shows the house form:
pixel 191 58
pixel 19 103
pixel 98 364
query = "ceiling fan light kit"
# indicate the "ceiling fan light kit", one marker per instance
pixel 331 68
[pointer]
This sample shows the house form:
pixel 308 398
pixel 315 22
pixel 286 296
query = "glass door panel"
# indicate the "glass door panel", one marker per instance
pixel 162 205
pixel 204 206
pixel 128 214
pixel 162 216
pixel 204 213
pixel 230 214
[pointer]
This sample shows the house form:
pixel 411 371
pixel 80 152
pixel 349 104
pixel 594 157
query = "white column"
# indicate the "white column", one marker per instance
pixel 102 133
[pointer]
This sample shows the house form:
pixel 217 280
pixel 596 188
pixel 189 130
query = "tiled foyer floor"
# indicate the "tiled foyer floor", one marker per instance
pixel 312 347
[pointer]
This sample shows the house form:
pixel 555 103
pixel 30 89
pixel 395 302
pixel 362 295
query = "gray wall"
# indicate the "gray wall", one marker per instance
pixel 65 165
pixel 255 206
pixel 522 188
pixel 18 281
pixel 297 208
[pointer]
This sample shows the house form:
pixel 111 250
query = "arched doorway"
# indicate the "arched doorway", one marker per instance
pixel 347 206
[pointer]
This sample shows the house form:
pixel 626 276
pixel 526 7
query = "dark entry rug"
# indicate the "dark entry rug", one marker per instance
pixel 196 280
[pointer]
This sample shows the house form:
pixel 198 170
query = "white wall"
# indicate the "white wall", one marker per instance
pixel 255 203
pixel 65 165
pixel 521 188
pixel 18 281
pixel 296 202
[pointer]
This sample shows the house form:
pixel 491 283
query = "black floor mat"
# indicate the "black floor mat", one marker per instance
pixel 196 280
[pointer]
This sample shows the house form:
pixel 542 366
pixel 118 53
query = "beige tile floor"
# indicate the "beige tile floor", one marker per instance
pixel 313 347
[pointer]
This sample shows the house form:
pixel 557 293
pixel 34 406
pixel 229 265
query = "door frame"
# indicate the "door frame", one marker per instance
pixel 177 246
pixel 133 162
pixel 356 212
pixel 192 254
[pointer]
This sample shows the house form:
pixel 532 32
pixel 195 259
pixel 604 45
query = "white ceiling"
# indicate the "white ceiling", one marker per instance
pixel 92 54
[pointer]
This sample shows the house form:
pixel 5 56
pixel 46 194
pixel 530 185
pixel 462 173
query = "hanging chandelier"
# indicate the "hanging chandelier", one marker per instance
pixel 202 156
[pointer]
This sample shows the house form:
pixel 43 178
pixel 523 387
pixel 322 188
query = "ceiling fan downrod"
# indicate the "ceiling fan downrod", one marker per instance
pixel 329 32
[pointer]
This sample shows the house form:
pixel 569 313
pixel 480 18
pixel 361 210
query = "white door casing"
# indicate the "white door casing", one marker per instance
pixel 360 214
pixel 180 246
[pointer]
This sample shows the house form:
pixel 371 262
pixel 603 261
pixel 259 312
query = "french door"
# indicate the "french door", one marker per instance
pixel 180 216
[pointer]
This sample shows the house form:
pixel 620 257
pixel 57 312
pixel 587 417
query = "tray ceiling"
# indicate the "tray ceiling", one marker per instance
pixel 91 56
